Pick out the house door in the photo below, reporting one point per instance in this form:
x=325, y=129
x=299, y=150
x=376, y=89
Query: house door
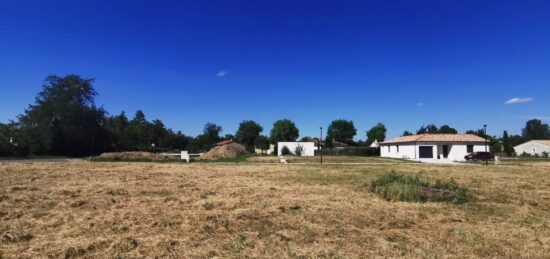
x=445, y=151
x=426, y=151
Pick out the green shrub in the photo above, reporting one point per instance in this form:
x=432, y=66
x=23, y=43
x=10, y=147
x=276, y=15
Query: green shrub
x=298, y=150
x=393, y=186
x=285, y=151
x=396, y=187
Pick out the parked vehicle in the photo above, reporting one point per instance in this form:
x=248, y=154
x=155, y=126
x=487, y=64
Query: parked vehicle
x=479, y=156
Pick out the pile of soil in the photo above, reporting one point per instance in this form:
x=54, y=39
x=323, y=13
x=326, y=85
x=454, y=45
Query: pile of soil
x=226, y=151
x=133, y=155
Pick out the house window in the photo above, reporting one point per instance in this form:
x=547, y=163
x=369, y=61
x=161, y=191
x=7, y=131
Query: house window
x=397, y=148
x=389, y=149
x=470, y=149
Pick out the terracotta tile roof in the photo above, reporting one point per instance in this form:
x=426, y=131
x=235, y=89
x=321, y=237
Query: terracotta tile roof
x=435, y=138
x=543, y=141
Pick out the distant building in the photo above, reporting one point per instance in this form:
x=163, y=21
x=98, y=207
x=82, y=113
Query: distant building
x=433, y=147
x=375, y=144
x=308, y=148
x=533, y=147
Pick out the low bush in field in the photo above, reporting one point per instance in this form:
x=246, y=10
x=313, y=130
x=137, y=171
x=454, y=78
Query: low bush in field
x=396, y=187
x=285, y=151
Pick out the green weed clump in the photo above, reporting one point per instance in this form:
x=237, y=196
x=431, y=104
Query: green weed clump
x=397, y=187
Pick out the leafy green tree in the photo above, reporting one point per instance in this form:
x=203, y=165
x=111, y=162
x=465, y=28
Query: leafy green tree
x=306, y=139
x=407, y=133
x=447, y=129
x=507, y=146
x=116, y=125
x=283, y=130
x=139, y=133
x=212, y=131
x=516, y=140
x=430, y=128
x=478, y=132
x=535, y=129
x=139, y=117
x=11, y=141
x=247, y=133
x=5, y=137
x=377, y=132
x=299, y=150
x=158, y=131
x=493, y=143
x=285, y=151
x=174, y=141
x=262, y=142
x=328, y=143
x=64, y=119
x=209, y=137
x=341, y=131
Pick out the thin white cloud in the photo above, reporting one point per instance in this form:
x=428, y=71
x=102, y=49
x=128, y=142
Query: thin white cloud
x=420, y=104
x=221, y=73
x=519, y=100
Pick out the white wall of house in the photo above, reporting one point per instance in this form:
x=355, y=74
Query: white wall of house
x=456, y=151
x=405, y=151
x=532, y=148
x=308, y=147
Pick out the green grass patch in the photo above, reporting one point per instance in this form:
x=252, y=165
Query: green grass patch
x=411, y=188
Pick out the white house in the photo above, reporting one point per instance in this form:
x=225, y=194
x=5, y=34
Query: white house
x=533, y=147
x=433, y=147
x=308, y=148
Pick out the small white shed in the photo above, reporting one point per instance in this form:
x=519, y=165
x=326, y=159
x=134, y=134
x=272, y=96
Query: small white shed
x=308, y=148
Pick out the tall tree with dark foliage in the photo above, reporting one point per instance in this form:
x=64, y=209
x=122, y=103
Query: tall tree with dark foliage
x=64, y=119
x=341, y=131
x=247, y=133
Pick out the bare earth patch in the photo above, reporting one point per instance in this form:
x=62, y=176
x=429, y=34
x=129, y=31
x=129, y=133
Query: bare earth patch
x=143, y=210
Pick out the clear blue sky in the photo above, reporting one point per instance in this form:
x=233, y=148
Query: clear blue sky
x=403, y=63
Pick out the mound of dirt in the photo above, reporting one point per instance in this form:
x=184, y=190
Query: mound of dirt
x=226, y=151
x=133, y=155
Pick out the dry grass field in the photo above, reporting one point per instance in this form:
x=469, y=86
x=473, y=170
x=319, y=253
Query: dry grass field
x=197, y=210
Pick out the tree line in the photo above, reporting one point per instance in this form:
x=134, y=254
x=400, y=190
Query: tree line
x=64, y=120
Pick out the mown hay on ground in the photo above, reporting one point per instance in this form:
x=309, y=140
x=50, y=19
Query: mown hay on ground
x=206, y=210
x=133, y=156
